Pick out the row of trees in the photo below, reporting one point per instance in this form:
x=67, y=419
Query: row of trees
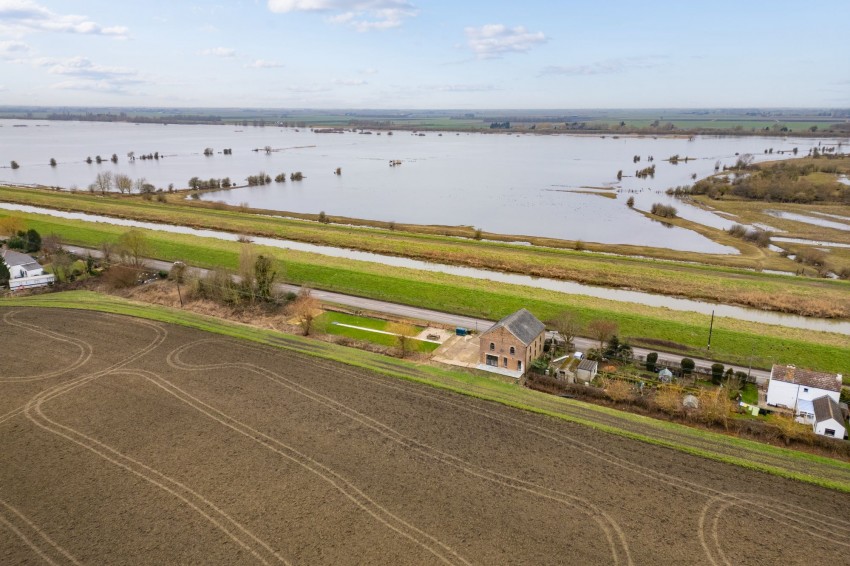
x=105, y=182
x=212, y=183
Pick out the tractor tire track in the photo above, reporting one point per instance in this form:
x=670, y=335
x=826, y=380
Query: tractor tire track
x=26, y=530
x=609, y=527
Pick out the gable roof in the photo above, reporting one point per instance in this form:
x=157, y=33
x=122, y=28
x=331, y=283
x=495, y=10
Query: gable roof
x=13, y=259
x=807, y=377
x=826, y=408
x=521, y=324
x=588, y=365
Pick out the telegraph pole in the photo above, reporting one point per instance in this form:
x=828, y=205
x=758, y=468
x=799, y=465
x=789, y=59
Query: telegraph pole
x=710, y=329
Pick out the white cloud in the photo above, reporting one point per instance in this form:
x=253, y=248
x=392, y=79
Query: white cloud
x=263, y=64
x=223, y=52
x=369, y=71
x=605, y=67
x=13, y=50
x=350, y=82
x=362, y=15
x=85, y=75
x=19, y=17
x=494, y=40
x=464, y=88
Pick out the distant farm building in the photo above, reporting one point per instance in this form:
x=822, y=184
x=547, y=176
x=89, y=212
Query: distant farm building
x=25, y=272
x=510, y=345
x=587, y=370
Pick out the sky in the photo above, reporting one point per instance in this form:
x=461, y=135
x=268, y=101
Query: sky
x=418, y=54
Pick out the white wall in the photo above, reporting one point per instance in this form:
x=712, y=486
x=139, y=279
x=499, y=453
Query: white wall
x=813, y=393
x=839, y=429
x=782, y=393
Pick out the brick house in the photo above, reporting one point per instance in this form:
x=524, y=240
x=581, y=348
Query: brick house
x=510, y=345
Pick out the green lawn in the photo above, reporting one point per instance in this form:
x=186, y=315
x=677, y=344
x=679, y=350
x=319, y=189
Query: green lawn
x=325, y=323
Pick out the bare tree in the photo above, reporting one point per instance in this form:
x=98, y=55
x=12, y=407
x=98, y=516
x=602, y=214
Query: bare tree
x=602, y=330
x=568, y=326
x=404, y=334
x=123, y=183
x=107, y=250
x=305, y=308
x=133, y=247
x=103, y=182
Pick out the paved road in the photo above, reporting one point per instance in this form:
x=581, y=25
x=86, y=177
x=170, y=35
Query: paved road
x=454, y=320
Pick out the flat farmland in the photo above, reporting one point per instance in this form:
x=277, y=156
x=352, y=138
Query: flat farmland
x=126, y=441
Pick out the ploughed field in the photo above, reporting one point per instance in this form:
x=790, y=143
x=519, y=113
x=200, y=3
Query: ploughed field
x=124, y=441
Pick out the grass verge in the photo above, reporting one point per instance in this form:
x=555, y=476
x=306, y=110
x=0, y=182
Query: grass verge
x=773, y=460
x=733, y=341
x=714, y=277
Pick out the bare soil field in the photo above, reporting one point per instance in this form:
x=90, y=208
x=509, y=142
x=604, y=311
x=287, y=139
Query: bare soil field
x=124, y=441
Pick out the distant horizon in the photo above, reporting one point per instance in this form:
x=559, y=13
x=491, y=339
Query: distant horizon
x=427, y=109
x=409, y=54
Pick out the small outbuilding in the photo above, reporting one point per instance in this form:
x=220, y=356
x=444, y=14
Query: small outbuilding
x=829, y=419
x=510, y=345
x=665, y=375
x=587, y=370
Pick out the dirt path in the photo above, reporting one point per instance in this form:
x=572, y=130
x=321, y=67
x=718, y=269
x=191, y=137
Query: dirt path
x=149, y=443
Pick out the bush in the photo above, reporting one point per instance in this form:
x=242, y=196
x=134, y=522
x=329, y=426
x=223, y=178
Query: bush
x=121, y=276
x=687, y=365
x=663, y=210
x=717, y=373
x=619, y=390
x=668, y=398
x=651, y=361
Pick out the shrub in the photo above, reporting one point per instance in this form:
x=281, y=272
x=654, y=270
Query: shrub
x=668, y=398
x=14, y=165
x=651, y=361
x=717, y=373
x=619, y=390
x=687, y=365
x=663, y=210
x=121, y=276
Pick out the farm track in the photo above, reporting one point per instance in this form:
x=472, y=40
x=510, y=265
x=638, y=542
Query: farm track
x=334, y=425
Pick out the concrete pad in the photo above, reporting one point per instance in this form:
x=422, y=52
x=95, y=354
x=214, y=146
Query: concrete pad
x=458, y=351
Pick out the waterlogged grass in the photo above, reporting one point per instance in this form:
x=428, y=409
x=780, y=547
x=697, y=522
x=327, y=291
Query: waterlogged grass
x=722, y=281
x=733, y=341
x=781, y=462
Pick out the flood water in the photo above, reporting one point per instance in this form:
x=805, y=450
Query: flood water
x=502, y=183
x=569, y=287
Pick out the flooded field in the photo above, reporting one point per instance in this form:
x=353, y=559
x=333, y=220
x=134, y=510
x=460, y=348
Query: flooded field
x=554, y=185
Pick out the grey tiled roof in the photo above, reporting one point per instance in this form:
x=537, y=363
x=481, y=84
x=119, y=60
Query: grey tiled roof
x=521, y=324
x=589, y=365
x=826, y=408
x=807, y=377
x=12, y=258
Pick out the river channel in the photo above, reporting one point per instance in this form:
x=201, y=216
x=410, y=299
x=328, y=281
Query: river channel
x=556, y=186
x=569, y=287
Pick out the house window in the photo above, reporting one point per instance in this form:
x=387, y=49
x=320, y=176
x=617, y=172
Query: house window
x=505, y=362
x=492, y=361
x=829, y=432
x=513, y=350
x=805, y=389
x=519, y=365
x=492, y=346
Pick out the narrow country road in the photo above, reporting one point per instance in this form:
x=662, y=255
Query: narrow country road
x=432, y=316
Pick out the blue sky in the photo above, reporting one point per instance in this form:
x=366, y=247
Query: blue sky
x=425, y=54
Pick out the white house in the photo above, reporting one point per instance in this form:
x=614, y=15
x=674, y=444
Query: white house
x=829, y=420
x=25, y=272
x=794, y=388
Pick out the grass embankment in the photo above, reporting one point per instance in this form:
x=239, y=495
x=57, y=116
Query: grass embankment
x=733, y=341
x=331, y=323
x=782, y=462
x=721, y=282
